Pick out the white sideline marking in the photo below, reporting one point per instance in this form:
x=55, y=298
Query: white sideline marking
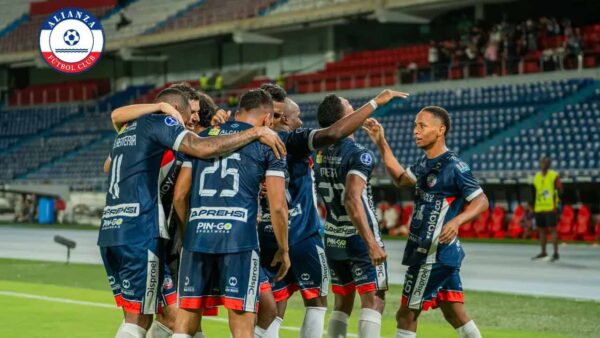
x=110, y=306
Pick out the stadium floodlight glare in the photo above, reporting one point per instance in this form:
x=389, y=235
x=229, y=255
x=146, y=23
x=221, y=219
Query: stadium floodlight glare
x=70, y=244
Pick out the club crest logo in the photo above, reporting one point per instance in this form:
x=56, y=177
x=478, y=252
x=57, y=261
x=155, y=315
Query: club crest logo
x=71, y=40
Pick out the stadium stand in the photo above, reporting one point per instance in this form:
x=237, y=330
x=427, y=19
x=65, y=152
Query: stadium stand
x=296, y=5
x=13, y=13
x=57, y=93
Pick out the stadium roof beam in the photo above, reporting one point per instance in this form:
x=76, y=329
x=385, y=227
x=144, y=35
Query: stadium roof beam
x=383, y=15
x=241, y=37
x=129, y=54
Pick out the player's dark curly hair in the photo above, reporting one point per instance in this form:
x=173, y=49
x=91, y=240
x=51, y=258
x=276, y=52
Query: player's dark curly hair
x=255, y=98
x=441, y=114
x=189, y=92
x=277, y=93
x=330, y=110
x=208, y=109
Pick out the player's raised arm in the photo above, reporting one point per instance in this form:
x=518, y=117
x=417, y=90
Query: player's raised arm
x=347, y=125
x=124, y=114
x=355, y=185
x=275, y=186
x=181, y=195
x=215, y=146
x=399, y=175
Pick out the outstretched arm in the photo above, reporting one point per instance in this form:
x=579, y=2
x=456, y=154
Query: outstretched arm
x=279, y=219
x=347, y=125
x=357, y=213
x=208, y=147
x=124, y=114
x=398, y=174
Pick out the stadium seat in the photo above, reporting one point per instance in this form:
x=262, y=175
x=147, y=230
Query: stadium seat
x=481, y=225
x=496, y=225
x=566, y=222
x=466, y=230
x=594, y=235
x=582, y=223
x=515, y=230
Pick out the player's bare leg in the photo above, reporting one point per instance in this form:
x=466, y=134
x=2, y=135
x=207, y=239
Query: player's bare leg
x=314, y=317
x=267, y=323
x=554, y=243
x=241, y=323
x=406, y=322
x=281, y=307
x=135, y=325
x=338, y=321
x=186, y=323
x=372, y=305
x=455, y=314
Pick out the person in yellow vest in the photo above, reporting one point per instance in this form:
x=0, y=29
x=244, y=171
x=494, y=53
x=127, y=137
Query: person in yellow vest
x=219, y=84
x=547, y=191
x=204, y=82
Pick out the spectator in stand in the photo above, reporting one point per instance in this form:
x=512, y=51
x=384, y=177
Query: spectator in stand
x=219, y=84
x=574, y=45
x=547, y=192
x=433, y=57
x=204, y=82
x=491, y=58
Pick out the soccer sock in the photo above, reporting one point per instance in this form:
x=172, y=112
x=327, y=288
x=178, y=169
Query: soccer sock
x=128, y=330
x=369, y=323
x=314, y=320
x=405, y=334
x=469, y=330
x=181, y=335
x=158, y=330
x=199, y=334
x=273, y=330
x=338, y=325
x=259, y=332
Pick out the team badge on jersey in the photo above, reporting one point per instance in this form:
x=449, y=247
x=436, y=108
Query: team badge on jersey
x=366, y=158
x=170, y=121
x=431, y=180
x=71, y=40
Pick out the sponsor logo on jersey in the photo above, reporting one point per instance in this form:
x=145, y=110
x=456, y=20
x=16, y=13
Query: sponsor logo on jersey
x=170, y=121
x=305, y=276
x=319, y=157
x=111, y=223
x=71, y=40
x=462, y=167
x=203, y=227
x=152, y=283
x=122, y=210
x=336, y=243
x=366, y=159
x=214, y=131
x=125, y=141
x=212, y=213
x=168, y=283
x=340, y=231
x=232, y=281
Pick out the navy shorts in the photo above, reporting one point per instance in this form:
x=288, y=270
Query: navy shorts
x=428, y=284
x=309, y=272
x=357, y=274
x=135, y=273
x=209, y=280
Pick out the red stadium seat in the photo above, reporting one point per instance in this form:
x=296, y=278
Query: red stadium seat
x=466, y=230
x=480, y=225
x=582, y=223
x=514, y=227
x=565, y=224
x=406, y=215
x=591, y=237
x=496, y=225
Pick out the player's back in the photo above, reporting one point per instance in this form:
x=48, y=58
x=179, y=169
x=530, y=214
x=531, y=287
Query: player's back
x=133, y=209
x=333, y=165
x=224, y=195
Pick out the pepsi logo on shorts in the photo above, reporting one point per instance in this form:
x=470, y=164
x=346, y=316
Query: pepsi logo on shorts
x=71, y=40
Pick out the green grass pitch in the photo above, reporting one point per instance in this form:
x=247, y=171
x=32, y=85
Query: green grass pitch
x=40, y=299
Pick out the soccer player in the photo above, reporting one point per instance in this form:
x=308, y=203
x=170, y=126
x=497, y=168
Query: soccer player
x=444, y=185
x=548, y=188
x=133, y=222
x=204, y=114
x=309, y=271
x=220, y=259
x=353, y=244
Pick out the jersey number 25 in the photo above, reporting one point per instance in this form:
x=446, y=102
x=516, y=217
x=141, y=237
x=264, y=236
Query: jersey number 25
x=222, y=164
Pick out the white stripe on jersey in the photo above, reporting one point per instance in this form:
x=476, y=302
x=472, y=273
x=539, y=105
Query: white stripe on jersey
x=372, y=217
x=359, y=174
x=324, y=287
x=415, y=298
x=432, y=253
x=253, y=286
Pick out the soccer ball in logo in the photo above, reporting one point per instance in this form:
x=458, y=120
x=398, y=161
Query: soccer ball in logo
x=71, y=37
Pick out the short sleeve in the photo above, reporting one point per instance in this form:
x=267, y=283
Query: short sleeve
x=186, y=161
x=300, y=141
x=165, y=130
x=410, y=171
x=361, y=164
x=467, y=185
x=275, y=167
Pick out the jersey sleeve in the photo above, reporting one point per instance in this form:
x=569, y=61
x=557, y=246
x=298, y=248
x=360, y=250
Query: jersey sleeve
x=274, y=166
x=411, y=171
x=186, y=161
x=467, y=185
x=165, y=130
x=361, y=164
x=300, y=141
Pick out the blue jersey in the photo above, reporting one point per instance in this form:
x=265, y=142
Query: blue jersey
x=133, y=211
x=333, y=164
x=169, y=170
x=443, y=185
x=303, y=214
x=224, y=195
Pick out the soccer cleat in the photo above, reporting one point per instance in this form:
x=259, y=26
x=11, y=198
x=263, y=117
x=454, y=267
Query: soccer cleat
x=554, y=258
x=541, y=255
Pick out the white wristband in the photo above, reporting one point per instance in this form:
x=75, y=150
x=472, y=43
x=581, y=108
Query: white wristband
x=373, y=104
